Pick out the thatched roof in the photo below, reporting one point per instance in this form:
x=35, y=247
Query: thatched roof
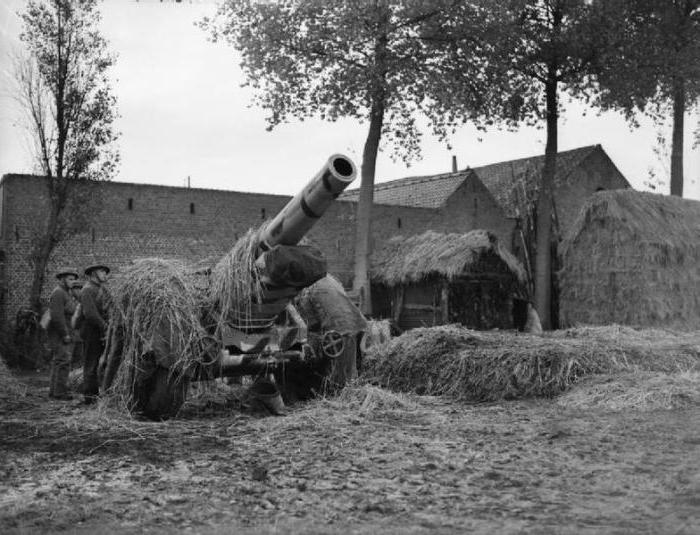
x=662, y=221
x=632, y=258
x=406, y=260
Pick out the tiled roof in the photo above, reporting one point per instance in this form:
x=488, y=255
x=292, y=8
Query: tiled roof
x=417, y=191
x=518, y=179
x=502, y=180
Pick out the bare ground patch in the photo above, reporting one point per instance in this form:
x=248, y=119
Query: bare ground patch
x=366, y=462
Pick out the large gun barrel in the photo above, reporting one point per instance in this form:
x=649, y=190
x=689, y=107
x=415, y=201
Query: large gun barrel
x=302, y=212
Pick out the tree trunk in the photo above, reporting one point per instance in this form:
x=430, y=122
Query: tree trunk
x=677, y=139
x=40, y=259
x=361, y=283
x=543, y=259
x=46, y=243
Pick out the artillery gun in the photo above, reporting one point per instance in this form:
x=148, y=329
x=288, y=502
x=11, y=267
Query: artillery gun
x=268, y=336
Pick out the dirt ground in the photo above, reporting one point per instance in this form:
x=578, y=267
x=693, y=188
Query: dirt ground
x=389, y=464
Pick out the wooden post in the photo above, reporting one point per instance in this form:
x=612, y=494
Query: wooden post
x=445, y=301
x=398, y=304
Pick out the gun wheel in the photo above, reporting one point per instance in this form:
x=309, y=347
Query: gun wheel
x=162, y=395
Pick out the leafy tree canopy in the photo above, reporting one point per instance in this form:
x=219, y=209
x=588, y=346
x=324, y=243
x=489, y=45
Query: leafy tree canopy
x=335, y=58
x=652, y=45
x=65, y=88
x=522, y=45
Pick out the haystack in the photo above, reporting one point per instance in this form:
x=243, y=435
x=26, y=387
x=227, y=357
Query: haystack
x=157, y=308
x=632, y=258
x=489, y=366
x=436, y=278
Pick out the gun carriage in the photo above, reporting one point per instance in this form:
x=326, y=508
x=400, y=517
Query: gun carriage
x=267, y=335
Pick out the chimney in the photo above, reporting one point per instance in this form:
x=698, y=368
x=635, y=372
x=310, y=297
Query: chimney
x=454, y=164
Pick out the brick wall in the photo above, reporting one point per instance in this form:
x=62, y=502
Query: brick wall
x=132, y=221
x=137, y=220
x=473, y=207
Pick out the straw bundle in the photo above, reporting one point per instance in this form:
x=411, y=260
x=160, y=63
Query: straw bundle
x=632, y=258
x=489, y=366
x=235, y=281
x=158, y=308
x=378, y=332
x=639, y=390
x=367, y=399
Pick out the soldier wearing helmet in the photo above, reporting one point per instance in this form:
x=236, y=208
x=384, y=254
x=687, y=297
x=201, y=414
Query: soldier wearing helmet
x=61, y=308
x=94, y=301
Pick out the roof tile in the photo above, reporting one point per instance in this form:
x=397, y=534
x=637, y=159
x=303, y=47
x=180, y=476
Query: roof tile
x=502, y=180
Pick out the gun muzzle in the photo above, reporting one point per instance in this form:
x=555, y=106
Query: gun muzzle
x=302, y=212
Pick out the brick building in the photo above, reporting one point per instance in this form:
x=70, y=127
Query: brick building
x=138, y=220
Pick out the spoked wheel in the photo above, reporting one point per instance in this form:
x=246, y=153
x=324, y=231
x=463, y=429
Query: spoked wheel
x=328, y=312
x=332, y=344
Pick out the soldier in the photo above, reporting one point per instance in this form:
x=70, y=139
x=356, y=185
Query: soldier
x=75, y=322
x=61, y=308
x=94, y=301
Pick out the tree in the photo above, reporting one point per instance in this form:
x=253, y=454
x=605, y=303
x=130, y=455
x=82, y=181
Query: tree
x=362, y=59
x=64, y=89
x=652, y=65
x=532, y=50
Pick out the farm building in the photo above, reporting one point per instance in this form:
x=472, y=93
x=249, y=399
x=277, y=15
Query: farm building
x=499, y=192
x=435, y=278
x=633, y=258
x=140, y=220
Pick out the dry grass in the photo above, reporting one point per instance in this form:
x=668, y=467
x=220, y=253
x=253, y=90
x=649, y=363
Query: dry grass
x=158, y=308
x=632, y=257
x=407, y=260
x=235, y=281
x=378, y=332
x=489, y=366
x=10, y=388
x=644, y=391
x=366, y=399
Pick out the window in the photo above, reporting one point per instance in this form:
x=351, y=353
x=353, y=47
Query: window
x=262, y=213
x=192, y=208
x=130, y=204
x=398, y=222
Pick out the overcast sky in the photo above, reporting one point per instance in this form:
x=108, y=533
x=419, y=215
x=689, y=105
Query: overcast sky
x=183, y=113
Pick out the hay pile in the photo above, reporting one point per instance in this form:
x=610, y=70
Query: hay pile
x=489, y=366
x=368, y=399
x=644, y=391
x=157, y=308
x=632, y=258
x=378, y=332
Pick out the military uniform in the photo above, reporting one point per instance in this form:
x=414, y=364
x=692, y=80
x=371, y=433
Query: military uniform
x=77, y=358
x=61, y=307
x=94, y=300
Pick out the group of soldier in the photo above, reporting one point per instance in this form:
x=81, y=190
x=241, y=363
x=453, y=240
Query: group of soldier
x=78, y=310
